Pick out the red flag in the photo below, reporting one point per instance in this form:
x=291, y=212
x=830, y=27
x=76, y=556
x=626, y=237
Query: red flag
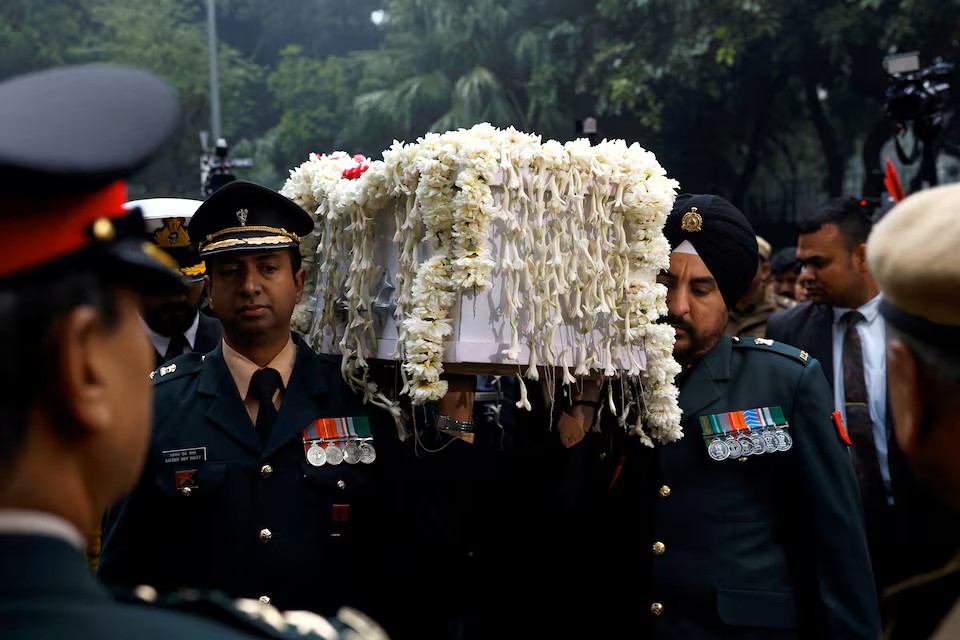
x=892, y=182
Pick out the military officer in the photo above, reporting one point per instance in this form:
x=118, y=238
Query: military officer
x=174, y=323
x=912, y=254
x=266, y=477
x=75, y=401
x=750, y=525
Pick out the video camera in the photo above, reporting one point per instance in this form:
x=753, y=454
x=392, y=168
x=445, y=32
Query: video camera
x=916, y=96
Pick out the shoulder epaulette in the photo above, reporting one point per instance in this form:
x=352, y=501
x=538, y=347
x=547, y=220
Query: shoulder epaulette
x=258, y=617
x=773, y=346
x=180, y=366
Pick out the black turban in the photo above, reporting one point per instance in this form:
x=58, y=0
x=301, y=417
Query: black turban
x=722, y=237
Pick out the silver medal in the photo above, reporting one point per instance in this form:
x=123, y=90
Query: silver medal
x=746, y=443
x=367, y=453
x=316, y=455
x=334, y=454
x=351, y=453
x=769, y=442
x=784, y=441
x=736, y=449
x=718, y=450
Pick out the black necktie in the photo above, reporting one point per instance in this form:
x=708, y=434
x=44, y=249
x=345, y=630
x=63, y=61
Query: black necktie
x=860, y=427
x=264, y=383
x=178, y=342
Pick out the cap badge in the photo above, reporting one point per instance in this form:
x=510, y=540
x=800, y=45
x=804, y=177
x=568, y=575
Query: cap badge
x=103, y=230
x=691, y=221
x=242, y=217
x=172, y=233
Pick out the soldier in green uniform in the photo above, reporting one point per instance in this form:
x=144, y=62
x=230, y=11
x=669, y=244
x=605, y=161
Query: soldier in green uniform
x=74, y=398
x=912, y=254
x=750, y=525
x=267, y=477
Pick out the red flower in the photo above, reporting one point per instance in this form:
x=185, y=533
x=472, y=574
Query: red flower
x=357, y=170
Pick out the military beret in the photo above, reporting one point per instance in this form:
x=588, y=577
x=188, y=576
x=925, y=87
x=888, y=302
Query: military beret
x=722, y=237
x=912, y=254
x=68, y=137
x=167, y=223
x=784, y=260
x=244, y=215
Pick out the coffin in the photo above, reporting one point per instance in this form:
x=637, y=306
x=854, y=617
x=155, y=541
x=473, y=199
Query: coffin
x=488, y=251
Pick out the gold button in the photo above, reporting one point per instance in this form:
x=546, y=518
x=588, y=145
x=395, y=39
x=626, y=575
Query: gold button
x=265, y=535
x=603, y=456
x=656, y=609
x=266, y=471
x=264, y=599
x=103, y=230
x=185, y=492
x=664, y=491
x=743, y=458
x=341, y=484
x=659, y=548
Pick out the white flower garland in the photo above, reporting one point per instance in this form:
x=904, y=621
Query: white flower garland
x=572, y=233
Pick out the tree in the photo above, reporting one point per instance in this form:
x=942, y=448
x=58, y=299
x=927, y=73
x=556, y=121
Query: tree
x=169, y=38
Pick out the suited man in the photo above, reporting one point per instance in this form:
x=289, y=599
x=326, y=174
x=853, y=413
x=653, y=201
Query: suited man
x=841, y=326
x=75, y=401
x=716, y=536
x=923, y=356
x=174, y=322
x=267, y=477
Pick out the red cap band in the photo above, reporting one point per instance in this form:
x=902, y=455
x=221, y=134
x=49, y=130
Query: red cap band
x=34, y=233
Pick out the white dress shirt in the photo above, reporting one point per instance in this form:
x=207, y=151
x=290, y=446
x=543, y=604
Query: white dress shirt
x=873, y=342
x=160, y=343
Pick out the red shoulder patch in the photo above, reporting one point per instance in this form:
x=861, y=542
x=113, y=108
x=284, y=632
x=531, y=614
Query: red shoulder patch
x=841, y=430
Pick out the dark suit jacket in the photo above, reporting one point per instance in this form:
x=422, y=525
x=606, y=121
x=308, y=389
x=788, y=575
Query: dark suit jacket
x=48, y=591
x=930, y=529
x=770, y=546
x=338, y=533
x=208, y=337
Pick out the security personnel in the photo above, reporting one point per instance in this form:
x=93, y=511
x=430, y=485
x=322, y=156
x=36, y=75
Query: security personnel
x=267, y=477
x=73, y=396
x=750, y=525
x=912, y=254
x=174, y=323
x=749, y=316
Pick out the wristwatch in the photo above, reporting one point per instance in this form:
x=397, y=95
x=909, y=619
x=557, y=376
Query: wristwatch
x=446, y=423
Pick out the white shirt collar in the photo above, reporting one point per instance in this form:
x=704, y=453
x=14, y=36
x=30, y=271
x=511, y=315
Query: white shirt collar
x=870, y=310
x=160, y=343
x=24, y=521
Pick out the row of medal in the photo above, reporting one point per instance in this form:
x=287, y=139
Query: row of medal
x=321, y=452
x=754, y=444
x=336, y=440
x=751, y=432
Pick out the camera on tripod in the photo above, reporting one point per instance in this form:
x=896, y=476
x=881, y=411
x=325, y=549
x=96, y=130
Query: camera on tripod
x=918, y=97
x=215, y=169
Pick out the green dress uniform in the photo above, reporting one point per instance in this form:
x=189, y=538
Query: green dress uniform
x=754, y=546
x=216, y=509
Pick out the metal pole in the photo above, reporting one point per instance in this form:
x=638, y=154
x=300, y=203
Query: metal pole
x=214, y=80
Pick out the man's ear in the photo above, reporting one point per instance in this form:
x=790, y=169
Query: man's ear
x=860, y=257
x=298, y=279
x=903, y=390
x=82, y=356
x=208, y=285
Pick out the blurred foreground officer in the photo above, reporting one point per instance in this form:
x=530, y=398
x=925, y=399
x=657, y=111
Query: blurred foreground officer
x=912, y=253
x=750, y=525
x=267, y=477
x=174, y=323
x=74, y=398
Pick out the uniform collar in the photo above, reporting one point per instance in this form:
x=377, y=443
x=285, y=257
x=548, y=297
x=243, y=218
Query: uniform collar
x=28, y=522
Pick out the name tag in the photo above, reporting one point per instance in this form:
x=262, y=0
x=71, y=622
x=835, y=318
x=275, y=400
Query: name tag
x=176, y=456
